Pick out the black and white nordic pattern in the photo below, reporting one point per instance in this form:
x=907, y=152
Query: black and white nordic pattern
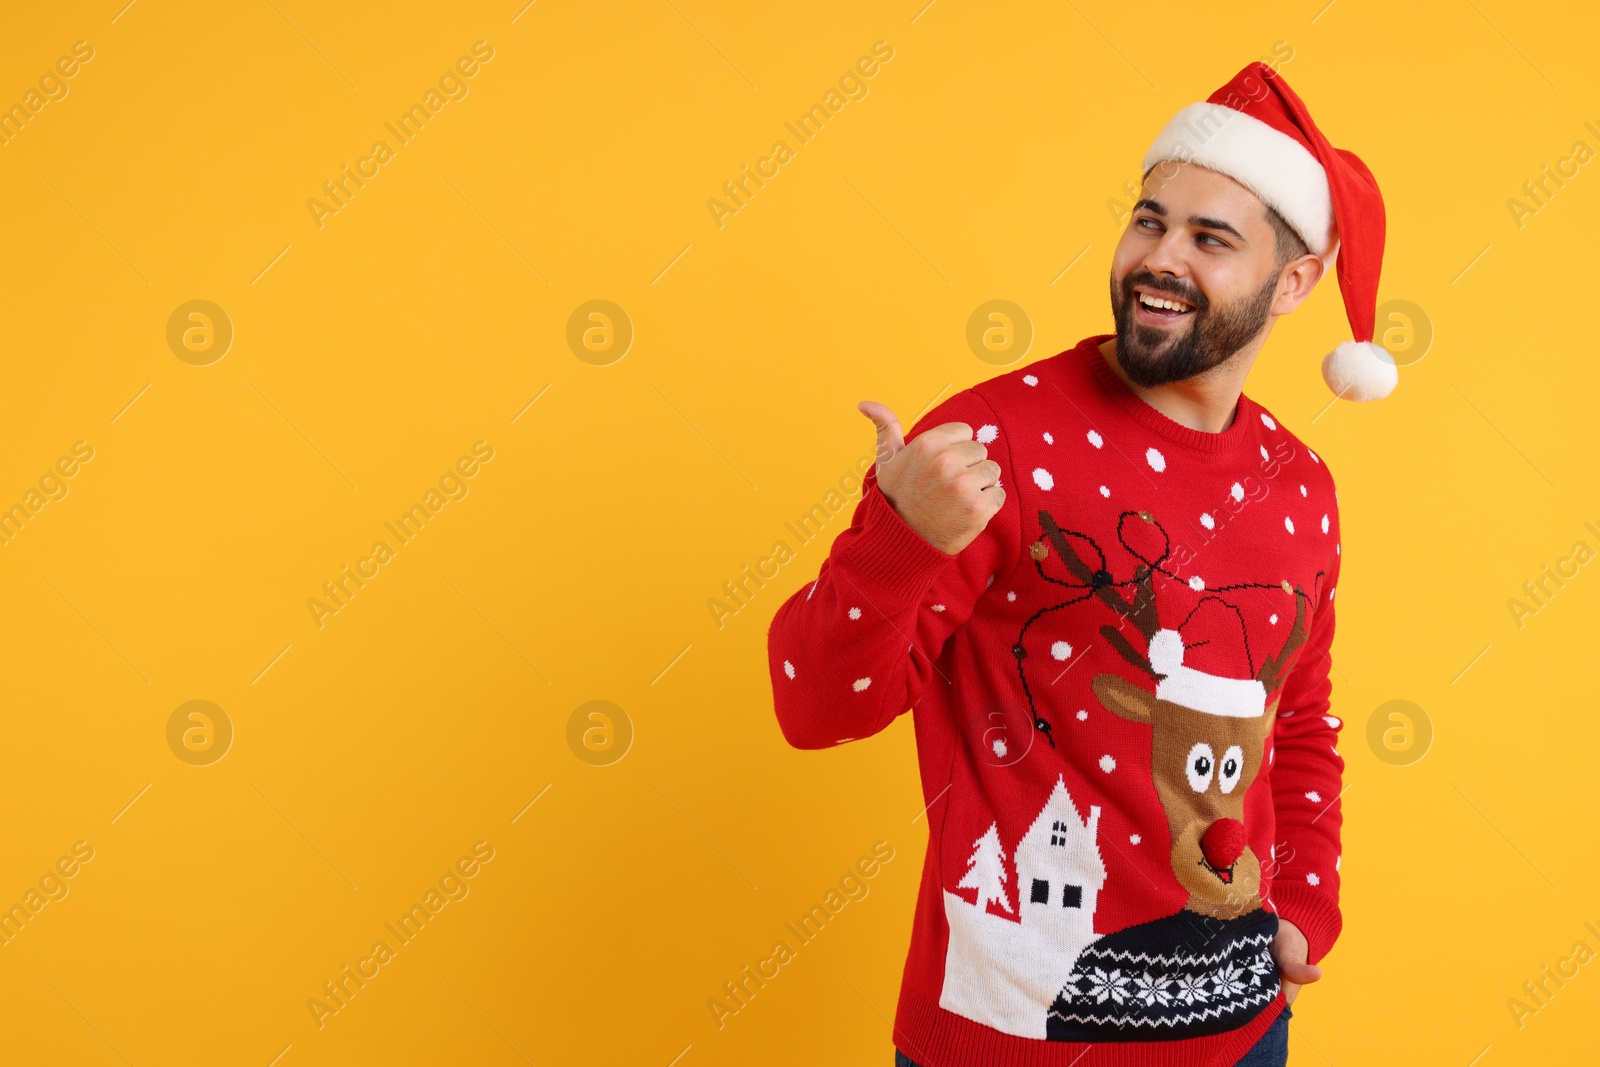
x=1182, y=976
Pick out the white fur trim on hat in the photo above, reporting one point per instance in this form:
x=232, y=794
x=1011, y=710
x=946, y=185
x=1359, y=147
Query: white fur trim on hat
x=1360, y=370
x=1273, y=165
x=1242, y=698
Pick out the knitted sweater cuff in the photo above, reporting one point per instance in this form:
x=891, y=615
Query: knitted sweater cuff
x=888, y=552
x=1312, y=912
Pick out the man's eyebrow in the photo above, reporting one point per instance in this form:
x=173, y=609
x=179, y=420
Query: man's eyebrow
x=1216, y=224
x=1194, y=220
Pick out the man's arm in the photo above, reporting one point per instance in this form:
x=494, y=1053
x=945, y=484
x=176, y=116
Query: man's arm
x=853, y=650
x=1307, y=775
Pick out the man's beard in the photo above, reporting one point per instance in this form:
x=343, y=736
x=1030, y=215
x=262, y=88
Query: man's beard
x=1151, y=356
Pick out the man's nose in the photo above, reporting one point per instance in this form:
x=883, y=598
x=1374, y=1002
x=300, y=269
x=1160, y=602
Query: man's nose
x=1164, y=258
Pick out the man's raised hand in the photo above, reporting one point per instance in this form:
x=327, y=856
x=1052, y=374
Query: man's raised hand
x=943, y=484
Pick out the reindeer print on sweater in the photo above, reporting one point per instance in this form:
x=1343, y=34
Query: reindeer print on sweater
x=1206, y=968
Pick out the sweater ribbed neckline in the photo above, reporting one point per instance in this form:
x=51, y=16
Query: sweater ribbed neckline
x=1151, y=419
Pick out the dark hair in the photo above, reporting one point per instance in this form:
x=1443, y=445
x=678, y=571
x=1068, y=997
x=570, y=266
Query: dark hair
x=1286, y=243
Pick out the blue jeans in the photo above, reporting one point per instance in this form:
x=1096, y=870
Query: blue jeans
x=1272, y=1050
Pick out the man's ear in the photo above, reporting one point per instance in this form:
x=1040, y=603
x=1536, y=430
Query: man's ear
x=1295, y=282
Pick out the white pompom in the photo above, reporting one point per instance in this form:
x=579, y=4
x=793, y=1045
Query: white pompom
x=1360, y=370
x=1166, y=652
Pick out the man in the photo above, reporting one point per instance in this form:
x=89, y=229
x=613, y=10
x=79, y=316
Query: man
x=1105, y=582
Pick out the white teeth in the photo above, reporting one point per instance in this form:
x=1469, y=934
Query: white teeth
x=1150, y=301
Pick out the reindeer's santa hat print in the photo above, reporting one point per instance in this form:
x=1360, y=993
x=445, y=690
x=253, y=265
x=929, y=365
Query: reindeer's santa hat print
x=1198, y=690
x=1258, y=132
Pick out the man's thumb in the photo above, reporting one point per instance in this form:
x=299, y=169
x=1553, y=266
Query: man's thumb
x=890, y=439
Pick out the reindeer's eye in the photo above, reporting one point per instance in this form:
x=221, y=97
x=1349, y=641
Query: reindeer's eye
x=1201, y=764
x=1232, y=767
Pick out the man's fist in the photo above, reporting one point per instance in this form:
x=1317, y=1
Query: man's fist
x=943, y=484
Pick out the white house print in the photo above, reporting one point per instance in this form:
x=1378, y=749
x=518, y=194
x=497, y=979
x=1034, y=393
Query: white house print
x=1006, y=973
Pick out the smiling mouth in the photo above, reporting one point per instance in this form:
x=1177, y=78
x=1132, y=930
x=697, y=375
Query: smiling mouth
x=1224, y=874
x=1162, y=309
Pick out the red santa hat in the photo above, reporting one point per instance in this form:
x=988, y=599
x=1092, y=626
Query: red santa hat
x=1257, y=131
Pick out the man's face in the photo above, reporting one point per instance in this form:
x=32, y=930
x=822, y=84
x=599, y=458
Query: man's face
x=1199, y=238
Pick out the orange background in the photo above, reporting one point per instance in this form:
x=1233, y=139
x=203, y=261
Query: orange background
x=435, y=709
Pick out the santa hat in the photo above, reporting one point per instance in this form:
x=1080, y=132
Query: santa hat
x=1257, y=131
x=1189, y=687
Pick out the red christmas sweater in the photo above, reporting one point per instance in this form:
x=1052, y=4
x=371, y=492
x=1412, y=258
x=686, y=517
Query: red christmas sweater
x=1120, y=697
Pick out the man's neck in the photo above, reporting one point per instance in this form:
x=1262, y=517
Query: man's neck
x=1207, y=402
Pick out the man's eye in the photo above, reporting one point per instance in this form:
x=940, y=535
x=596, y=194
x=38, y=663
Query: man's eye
x=1208, y=237
x=1142, y=221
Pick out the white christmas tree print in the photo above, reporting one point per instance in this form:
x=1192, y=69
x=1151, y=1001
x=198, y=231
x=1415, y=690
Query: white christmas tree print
x=986, y=870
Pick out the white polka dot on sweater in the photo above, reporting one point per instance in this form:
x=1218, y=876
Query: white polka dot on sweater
x=1134, y=839
x=999, y=747
x=1237, y=492
x=1048, y=439
x=1108, y=763
x=987, y=433
x=788, y=668
x=1324, y=524
x=1197, y=582
x=1156, y=460
x=1207, y=521
x=1030, y=379
x=1266, y=457
x=937, y=607
x=1274, y=619
x=1060, y=650
x=1104, y=491
x=1011, y=595
x=1043, y=479
x=1266, y=420
x=1288, y=524
x=1082, y=714
x=1302, y=490
x=861, y=684
x=855, y=613
x=1314, y=796
x=1336, y=860
x=1331, y=720
x=1311, y=877
x=1095, y=438
x=1314, y=459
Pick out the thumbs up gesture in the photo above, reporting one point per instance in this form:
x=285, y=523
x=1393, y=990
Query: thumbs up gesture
x=943, y=484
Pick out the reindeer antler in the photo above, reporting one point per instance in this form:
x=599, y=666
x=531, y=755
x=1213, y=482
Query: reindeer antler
x=1142, y=611
x=1268, y=674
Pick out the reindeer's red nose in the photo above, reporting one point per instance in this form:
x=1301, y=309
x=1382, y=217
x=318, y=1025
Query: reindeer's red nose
x=1222, y=842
